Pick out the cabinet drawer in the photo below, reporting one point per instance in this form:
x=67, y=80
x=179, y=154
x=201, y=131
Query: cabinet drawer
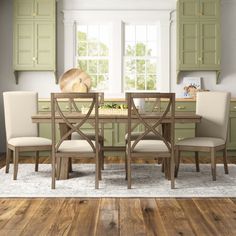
x=44, y=106
x=185, y=106
x=233, y=106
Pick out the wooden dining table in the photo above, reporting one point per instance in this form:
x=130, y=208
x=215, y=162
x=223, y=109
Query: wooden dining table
x=75, y=117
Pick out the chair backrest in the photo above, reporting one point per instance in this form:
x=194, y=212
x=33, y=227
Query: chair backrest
x=151, y=119
x=90, y=112
x=19, y=106
x=214, y=109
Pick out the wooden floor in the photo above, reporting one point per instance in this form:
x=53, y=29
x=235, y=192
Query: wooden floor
x=116, y=216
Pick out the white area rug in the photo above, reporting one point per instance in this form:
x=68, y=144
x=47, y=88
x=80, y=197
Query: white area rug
x=147, y=181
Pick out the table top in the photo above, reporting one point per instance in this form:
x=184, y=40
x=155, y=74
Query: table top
x=180, y=117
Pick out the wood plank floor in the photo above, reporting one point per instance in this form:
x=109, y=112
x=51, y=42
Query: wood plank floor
x=116, y=216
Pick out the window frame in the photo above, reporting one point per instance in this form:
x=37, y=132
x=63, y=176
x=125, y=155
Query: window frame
x=118, y=18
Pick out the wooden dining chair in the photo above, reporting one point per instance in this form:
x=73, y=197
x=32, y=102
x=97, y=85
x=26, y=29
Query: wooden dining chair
x=91, y=134
x=211, y=132
x=162, y=145
x=21, y=133
x=79, y=149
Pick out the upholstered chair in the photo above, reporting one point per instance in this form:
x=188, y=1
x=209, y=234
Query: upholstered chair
x=211, y=132
x=21, y=133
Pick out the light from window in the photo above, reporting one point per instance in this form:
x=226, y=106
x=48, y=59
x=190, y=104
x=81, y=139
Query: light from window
x=141, y=57
x=92, y=54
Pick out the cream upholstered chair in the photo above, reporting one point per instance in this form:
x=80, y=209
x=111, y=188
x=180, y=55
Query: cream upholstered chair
x=211, y=133
x=162, y=145
x=21, y=133
x=82, y=148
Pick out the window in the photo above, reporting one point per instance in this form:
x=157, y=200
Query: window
x=121, y=50
x=141, y=57
x=93, y=51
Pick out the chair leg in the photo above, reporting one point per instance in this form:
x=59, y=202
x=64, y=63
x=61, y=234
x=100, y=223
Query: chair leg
x=102, y=156
x=53, y=171
x=129, y=170
x=8, y=157
x=225, y=161
x=172, y=171
x=37, y=161
x=163, y=165
x=177, y=162
x=58, y=169
x=213, y=164
x=100, y=165
x=197, y=162
x=97, y=169
x=126, y=167
x=15, y=161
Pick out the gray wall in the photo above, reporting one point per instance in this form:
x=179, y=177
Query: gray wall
x=44, y=82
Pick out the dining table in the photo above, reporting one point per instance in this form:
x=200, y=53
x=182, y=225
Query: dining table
x=75, y=117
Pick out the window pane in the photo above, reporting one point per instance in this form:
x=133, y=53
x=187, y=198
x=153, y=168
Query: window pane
x=92, y=66
x=82, y=51
x=140, y=49
x=130, y=33
x=141, y=33
x=140, y=66
x=151, y=32
x=141, y=57
x=82, y=65
x=92, y=49
x=93, y=42
x=151, y=67
x=103, y=67
x=140, y=83
x=151, y=82
x=130, y=49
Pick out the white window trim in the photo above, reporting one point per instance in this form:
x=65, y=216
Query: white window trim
x=117, y=18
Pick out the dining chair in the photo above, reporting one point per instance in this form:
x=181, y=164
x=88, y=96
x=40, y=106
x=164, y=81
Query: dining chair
x=162, y=145
x=91, y=134
x=78, y=149
x=21, y=133
x=211, y=132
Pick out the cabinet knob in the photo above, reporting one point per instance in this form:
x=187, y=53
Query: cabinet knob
x=34, y=58
x=45, y=107
x=34, y=14
x=180, y=107
x=180, y=138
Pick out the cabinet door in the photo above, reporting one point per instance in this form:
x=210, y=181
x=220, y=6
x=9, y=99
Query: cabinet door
x=23, y=45
x=209, y=9
x=231, y=145
x=44, y=45
x=188, y=45
x=209, y=45
x=23, y=9
x=45, y=9
x=188, y=8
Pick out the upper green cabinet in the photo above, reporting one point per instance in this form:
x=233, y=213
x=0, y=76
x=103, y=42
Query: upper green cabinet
x=34, y=9
x=198, y=35
x=34, y=35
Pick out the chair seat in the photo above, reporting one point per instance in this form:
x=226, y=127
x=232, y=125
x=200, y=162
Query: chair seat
x=150, y=146
x=76, y=146
x=90, y=135
x=135, y=135
x=29, y=141
x=201, y=142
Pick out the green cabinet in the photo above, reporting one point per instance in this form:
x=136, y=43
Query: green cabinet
x=34, y=35
x=232, y=127
x=198, y=35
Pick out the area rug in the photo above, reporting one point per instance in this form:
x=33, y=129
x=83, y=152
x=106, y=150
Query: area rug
x=147, y=181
